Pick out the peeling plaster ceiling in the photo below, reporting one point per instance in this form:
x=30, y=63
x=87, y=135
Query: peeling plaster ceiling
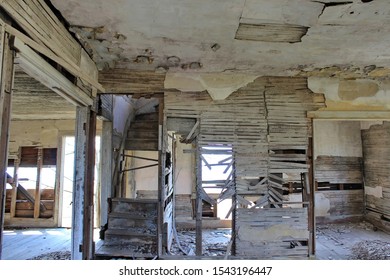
x=199, y=36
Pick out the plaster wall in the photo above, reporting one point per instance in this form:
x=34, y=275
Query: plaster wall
x=337, y=138
x=43, y=133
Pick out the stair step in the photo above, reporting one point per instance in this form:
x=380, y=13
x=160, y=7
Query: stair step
x=119, y=215
x=131, y=233
x=149, y=125
x=106, y=251
x=135, y=207
x=124, y=224
x=121, y=237
x=142, y=133
x=149, y=116
x=134, y=200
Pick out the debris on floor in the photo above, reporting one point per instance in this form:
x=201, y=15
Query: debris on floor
x=371, y=250
x=65, y=255
x=215, y=242
x=357, y=241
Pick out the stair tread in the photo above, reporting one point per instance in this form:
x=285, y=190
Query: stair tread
x=134, y=200
x=130, y=216
x=120, y=251
x=128, y=233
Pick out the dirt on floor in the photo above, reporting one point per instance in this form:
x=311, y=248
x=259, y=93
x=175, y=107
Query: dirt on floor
x=65, y=255
x=352, y=241
x=215, y=243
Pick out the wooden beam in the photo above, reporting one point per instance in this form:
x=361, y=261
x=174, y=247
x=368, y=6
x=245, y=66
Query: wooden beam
x=88, y=227
x=198, y=203
x=122, y=81
x=161, y=177
x=85, y=74
x=15, y=184
x=349, y=115
x=82, y=210
x=6, y=84
x=37, y=198
x=36, y=67
x=106, y=170
x=311, y=195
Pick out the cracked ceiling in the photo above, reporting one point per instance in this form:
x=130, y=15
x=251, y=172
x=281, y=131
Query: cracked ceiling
x=286, y=37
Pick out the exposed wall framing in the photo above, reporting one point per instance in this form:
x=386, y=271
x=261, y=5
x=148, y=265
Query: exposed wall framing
x=266, y=125
x=376, y=151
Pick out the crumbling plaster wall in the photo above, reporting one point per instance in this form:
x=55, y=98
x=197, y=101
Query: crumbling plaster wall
x=123, y=111
x=43, y=133
x=337, y=138
x=353, y=94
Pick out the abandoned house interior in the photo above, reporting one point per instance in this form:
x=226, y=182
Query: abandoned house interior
x=181, y=129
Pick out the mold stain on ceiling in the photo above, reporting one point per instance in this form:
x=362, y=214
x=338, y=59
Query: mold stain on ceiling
x=258, y=37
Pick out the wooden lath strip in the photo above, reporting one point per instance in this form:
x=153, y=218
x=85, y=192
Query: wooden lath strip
x=72, y=68
x=30, y=19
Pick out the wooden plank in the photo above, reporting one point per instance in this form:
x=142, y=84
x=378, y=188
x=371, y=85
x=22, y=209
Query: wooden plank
x=78, y=187
x=51, y=33
x=198, y=204
x=15, y=184
x=38, y=68
x=6, y=83
x=88, y=248
x=85, y=74
x=37, y=195
x=106, y=170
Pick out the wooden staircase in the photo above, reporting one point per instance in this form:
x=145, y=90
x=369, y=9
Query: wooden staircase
x=143, y=133
x=132, y=229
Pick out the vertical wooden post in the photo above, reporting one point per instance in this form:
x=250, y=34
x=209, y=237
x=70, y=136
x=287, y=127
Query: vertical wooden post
x=161, y=178
x=6, y=84
x=198, y=202
x=311, y=195
x=15, y=184
x=83, y=189
x=234, y=205
x=88, y=244
x=37, y=196
x=106, y=171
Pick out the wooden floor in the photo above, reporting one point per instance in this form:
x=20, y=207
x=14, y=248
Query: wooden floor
x=333, y=241
x=23, y=244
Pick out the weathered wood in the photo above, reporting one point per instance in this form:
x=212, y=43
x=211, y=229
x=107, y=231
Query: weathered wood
x=35, y=66
x=376, y=160
x=106, y=170
x=88, y=248
x=269, y=232
x=6, y=84
x=15, y=184
x=50, y=37
x=336, y=170
x=122, y=81
x=82, y=210
x=162, y=135
x=87, y=73
x=37, y=196
x=198, y=204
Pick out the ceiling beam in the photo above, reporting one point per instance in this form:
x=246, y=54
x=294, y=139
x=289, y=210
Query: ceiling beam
x=47, y=35
x=38, y=68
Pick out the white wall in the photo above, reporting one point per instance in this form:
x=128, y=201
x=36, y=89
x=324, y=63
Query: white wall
x=147, y=178
x=42, y=133
x=184, y=169
x=337, y=138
